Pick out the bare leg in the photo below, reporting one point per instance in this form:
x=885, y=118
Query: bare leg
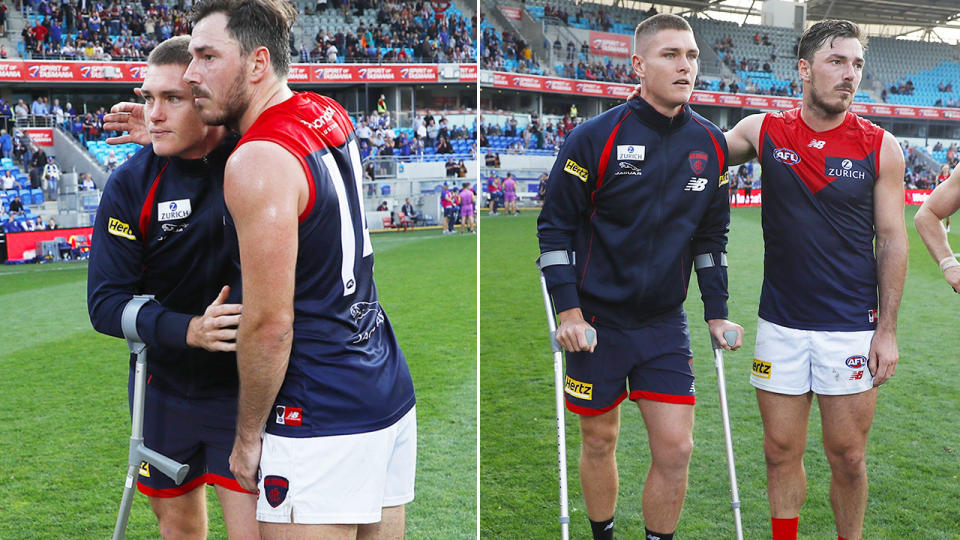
x=291, y=531
x=785, y=421
x=846, y=424
x=391, y=526
x=598, y=463
x=239, y=514
x=670, y=434
x=183, y=517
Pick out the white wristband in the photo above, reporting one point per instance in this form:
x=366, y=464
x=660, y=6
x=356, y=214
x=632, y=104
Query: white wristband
x=948, y=262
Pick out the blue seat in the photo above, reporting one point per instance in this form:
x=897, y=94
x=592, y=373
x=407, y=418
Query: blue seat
x=37, y=194
x=385, y=189
x=26, y=197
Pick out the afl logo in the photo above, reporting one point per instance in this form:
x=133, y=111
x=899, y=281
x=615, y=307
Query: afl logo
x=786, y=156
x=856, y=362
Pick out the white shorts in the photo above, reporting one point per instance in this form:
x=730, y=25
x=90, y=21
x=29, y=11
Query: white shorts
x=794, y=362
x=340, y=479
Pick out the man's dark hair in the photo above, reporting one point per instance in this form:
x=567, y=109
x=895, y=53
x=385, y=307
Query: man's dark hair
x=824, y=31
x=173, y=51
x=256, y=23
x=663, y=21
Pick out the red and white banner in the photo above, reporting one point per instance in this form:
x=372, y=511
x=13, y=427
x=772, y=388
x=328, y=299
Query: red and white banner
x=40, y=136
x=45, y=71
x=916, y=197
x=518, y=81
x=468, y=73
x=607, y=44
x=20, y=243
x=511, y=13
x=740, y=199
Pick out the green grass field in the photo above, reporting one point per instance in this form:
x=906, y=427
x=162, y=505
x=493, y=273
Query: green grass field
x=64, y=424
x=913, y=457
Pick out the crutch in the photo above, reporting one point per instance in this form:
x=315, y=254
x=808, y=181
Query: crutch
x=551, y=258
x=731, y=337
x=139, y=452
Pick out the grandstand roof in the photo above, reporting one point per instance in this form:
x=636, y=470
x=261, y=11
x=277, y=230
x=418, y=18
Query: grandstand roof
x=894, y=13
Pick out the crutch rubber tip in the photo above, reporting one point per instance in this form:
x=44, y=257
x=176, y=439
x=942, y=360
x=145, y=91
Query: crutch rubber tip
x=731, y=337
x=591, y=336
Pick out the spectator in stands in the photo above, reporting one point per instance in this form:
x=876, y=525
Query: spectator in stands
x=8, y=181
x=16, y=205
x=6, y=144
x=383, y=207
x=6, y=115
x=21, y=112
x=39, y=159
x=51, y=178
x=11, y=226
x=36, y=177
x=51, y=224
x=112, y=161
x=40, y=225
x=363, y=132
x=408, y=209
x=542, y=188
x=444, y=146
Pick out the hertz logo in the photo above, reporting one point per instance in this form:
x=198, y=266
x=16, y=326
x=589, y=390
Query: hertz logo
x=119, y=228
x=724, y=178
x=578, y=389
x=575, y=169
x=761, y=369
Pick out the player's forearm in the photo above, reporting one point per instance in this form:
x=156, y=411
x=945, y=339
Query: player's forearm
x=263, y=352
x=932, y=233
x=891, y=275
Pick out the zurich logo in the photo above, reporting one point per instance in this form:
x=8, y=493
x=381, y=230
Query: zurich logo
x=786, y=156
x=173, y=206
x=846, y=164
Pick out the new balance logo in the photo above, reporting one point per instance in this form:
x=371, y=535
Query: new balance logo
x=696, y=184
x=814, y=143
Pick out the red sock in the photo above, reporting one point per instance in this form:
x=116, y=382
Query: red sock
x=785, y=529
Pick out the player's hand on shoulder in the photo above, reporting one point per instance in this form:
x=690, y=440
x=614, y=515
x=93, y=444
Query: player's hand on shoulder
x=719, y=327
x=572, y=334
x=216, y=329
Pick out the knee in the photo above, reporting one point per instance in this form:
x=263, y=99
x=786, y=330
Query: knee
x=778, y=452
x=849, y=462
x=599, y=444
x=179, y=526
x=673, y=454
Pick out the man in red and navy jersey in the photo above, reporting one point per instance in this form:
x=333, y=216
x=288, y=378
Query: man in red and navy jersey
x=320, y=368
x=160, y=230
x=832, y=185
x=639, y=195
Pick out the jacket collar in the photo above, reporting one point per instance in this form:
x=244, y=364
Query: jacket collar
x=656, y=121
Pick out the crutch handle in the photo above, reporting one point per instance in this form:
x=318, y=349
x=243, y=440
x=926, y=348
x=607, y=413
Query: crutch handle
x=128, y=322
x=731, y=337
x=169, y=467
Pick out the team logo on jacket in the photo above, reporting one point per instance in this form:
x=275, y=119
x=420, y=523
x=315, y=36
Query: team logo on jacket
x=275, y=488
x=843, y=168
x=786, y=156
x=630, y=152
x=368, y=317
x=289, y=416
x=170, y=210
x=698, y=161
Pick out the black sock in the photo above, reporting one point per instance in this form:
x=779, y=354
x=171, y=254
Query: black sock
x=602, y=530
x=657, y=536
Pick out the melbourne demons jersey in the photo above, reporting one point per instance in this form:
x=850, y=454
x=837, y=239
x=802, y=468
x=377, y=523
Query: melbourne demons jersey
x=347, y=373
x=820, y=272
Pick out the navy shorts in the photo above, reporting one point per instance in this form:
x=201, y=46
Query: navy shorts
x=198, y=432
x=654, y=360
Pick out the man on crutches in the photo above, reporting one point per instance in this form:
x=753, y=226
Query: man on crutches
x=639, y=195
x=160, y=230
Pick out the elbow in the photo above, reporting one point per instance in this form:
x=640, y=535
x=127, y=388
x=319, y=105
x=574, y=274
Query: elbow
x=268, y=330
